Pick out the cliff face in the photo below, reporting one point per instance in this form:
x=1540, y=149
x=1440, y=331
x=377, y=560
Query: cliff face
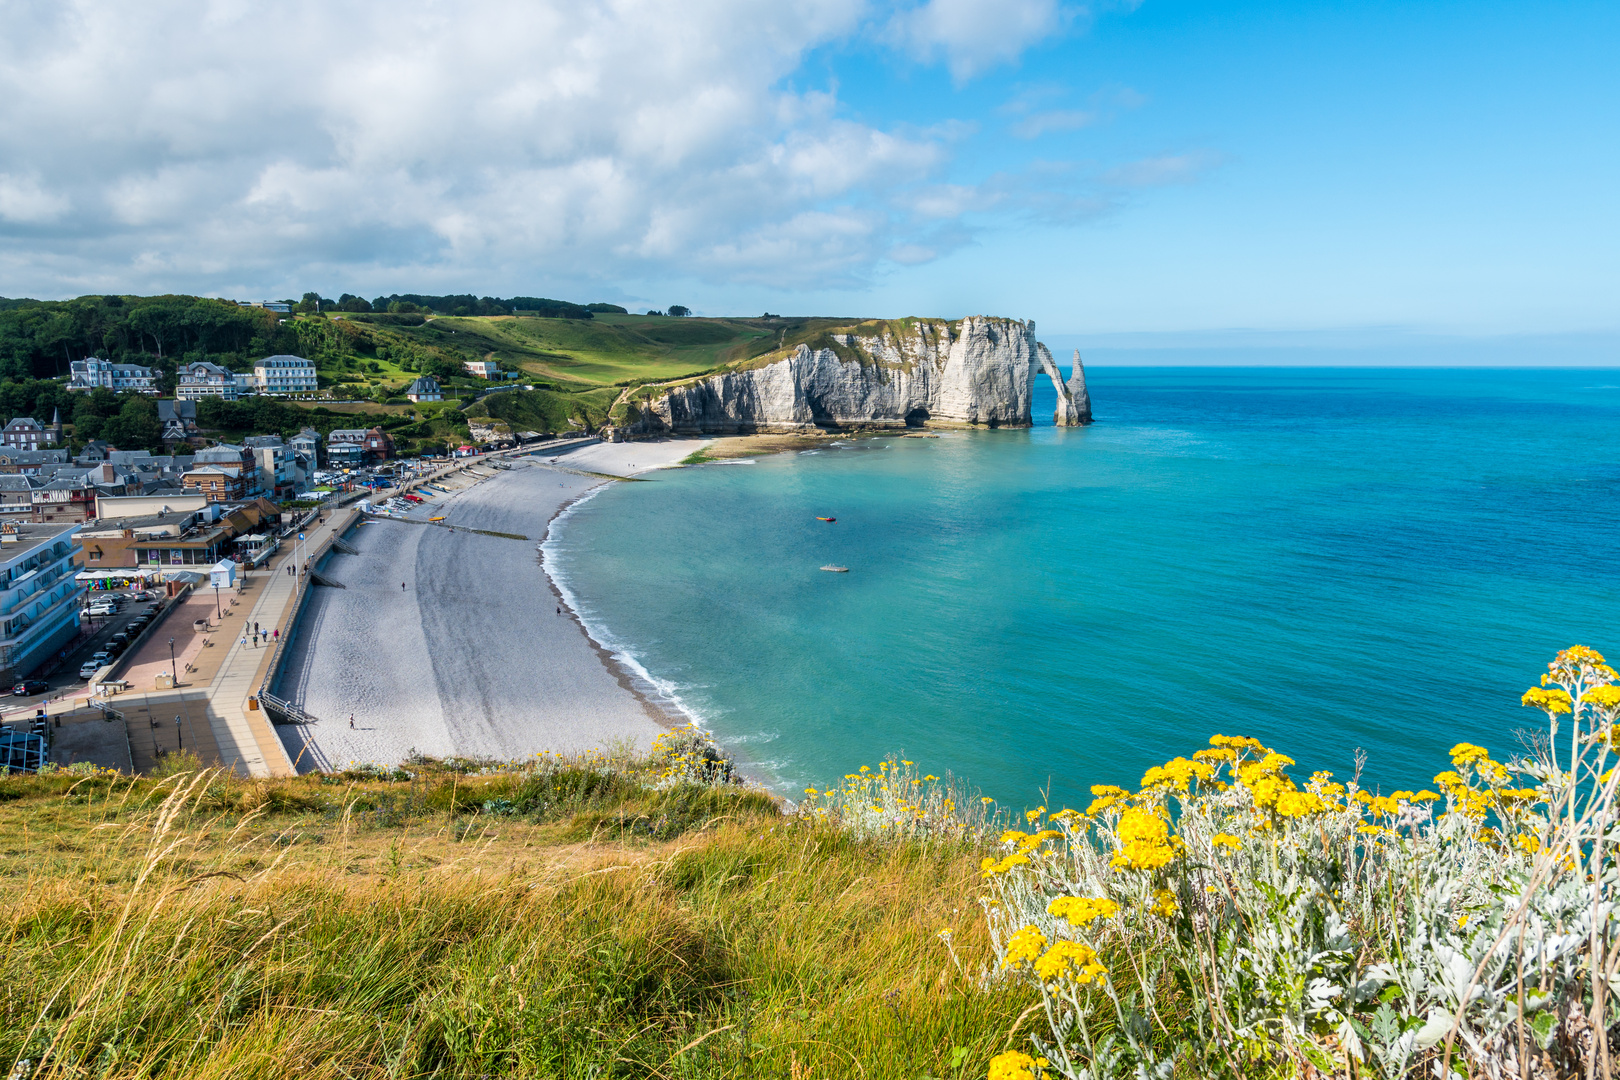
x=976, y=371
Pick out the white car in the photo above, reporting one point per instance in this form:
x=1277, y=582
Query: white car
x=88, y=669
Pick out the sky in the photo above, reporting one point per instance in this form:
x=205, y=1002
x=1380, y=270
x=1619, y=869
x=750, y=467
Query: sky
x=1163, y=174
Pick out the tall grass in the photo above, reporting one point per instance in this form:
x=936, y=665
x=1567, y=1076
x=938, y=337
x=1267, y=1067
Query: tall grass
x=562, y=921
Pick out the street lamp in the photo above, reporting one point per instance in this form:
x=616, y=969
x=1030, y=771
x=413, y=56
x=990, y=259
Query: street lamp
x=179, y=735
x=173, y=667
x=217, y=612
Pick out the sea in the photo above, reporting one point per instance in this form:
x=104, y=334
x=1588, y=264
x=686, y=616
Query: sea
x=1359, y=567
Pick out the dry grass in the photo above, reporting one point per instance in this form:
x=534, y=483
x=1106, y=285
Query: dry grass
x=499, y=925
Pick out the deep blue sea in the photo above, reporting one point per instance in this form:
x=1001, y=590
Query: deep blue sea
x=1330, y=560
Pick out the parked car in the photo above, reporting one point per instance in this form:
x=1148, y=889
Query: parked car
x=115, y=649
x=30, y=687
x=88, y=669
x=101, y=657
x=121, y=638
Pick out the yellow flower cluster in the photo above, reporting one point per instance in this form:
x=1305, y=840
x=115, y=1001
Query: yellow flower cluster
x=1024, y=947
x=1080, y=910
x=1070, y=960
x=1145, y=842
x=1178, y=773
x=1164, y=903
x=1017, y=1065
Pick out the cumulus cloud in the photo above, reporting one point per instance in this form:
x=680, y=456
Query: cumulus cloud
x=974, y=35
x=422, y=138
x=224, y=146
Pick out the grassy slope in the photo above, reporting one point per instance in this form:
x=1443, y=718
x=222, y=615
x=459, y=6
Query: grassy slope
x=578, y=360
x=343, y=926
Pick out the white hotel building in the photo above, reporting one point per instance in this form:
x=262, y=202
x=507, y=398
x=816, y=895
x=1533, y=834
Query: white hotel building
x=284, y=374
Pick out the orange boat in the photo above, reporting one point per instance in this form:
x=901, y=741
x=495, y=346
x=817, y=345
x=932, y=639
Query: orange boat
x=826, y=519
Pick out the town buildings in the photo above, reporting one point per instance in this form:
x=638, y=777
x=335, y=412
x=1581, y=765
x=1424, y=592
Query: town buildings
x=223, y=473
x=65, y=499
x=94, y=373
x=30, y=462
x=274, y=466
x=425, y=389
x=284, y=374
x=483, y=369
x=204, y=379
x=39, y=598
x=26, y=433
x=179, y=421
x=356, y=446
x=183, y=531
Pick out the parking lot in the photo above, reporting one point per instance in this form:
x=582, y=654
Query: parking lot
x=104, y=629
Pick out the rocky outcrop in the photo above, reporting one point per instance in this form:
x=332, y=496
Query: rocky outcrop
x=1077, y=391
x=883, y=374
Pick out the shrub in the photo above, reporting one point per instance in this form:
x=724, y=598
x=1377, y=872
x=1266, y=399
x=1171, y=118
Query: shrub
x=1224, y=921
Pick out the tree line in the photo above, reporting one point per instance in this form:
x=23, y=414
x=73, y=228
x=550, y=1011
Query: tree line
x=39, y=339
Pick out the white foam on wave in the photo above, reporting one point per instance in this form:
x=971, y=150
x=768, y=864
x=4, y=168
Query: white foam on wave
x=663, y=692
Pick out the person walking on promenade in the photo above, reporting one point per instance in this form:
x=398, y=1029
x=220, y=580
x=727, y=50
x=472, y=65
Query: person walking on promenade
x=275, y=635
x=402, y=586
x=351, y=721
x=244, y=641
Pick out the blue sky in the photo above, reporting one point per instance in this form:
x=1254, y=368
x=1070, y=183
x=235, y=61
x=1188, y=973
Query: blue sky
x=1362, y=175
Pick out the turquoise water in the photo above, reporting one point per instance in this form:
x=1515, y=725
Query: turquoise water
x=1326, y=559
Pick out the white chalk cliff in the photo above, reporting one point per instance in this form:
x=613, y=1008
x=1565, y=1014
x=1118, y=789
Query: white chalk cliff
x=910, y=372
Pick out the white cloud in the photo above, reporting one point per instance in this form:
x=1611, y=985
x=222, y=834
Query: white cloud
x=976, y=35
x=1037, y=124
x=23, y=201
x=488, y=140
x=1162, y=170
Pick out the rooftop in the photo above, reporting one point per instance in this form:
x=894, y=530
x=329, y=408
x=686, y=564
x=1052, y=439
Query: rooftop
x=24, y=537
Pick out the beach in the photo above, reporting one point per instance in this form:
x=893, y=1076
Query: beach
x=445, y=641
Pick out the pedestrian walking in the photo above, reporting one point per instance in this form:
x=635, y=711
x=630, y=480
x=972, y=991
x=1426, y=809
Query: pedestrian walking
x=402, y=586
x=255, y=629
x=275, y=635
x=351, y=722
x=244, y=641
x=559, y=609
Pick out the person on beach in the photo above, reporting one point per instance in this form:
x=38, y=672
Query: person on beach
x=351, y=722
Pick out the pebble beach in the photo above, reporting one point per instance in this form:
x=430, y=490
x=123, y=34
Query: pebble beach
x=445, y=641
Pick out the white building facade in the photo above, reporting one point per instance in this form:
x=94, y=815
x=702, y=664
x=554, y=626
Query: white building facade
x=284, y=374
x=203, y=380
x=97, y=374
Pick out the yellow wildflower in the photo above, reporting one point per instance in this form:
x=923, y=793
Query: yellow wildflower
x=1164, y=903
x=1144, y=841
x=1080, y=910
x=1603, y=697
x=1550, y=701
x=1016, y=1065
x=1032, y=816
x=1527, y=843
x=1226, y=840
x=1070, y=959
x=1024, y=947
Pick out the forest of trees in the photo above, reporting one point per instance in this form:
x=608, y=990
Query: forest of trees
x=463, y=304
x=39, y=338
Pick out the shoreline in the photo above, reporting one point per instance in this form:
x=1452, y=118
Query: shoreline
x=437, y=645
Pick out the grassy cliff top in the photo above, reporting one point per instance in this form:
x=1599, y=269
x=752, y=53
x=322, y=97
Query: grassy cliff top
x=569, y=920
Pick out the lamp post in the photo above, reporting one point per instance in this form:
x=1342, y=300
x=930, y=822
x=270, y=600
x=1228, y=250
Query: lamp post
x=174, y=668
x=217, y=613
x=179, y=736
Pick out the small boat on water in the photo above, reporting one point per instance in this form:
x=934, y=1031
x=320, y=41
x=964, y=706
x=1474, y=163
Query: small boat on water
x=831, y=569
x=826, y=519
